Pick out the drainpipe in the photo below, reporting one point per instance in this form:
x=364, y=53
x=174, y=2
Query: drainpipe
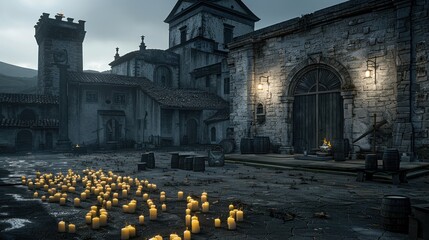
x=412, y=76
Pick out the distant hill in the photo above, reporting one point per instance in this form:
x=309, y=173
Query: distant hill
x=10, y=84
x=15, y=71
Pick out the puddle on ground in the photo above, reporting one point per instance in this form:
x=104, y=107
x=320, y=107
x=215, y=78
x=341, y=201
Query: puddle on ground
x=15, y=223
x=18, y=197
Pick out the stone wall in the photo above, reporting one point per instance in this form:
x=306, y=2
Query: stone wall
x=343, y=38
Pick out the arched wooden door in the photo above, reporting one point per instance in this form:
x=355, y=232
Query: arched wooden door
x=317, y=109
x=24, y=140
x=113, y=130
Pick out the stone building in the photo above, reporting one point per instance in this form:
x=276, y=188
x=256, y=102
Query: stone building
x=326, y=74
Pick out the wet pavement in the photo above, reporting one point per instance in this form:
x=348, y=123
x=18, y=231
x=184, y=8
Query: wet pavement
x=277, y=204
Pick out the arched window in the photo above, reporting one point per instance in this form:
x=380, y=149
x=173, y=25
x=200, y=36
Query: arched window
x=213, y=134
x=163, y=76
x=27, y=115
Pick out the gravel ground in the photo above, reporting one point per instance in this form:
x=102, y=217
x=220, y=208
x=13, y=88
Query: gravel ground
x=277, y=204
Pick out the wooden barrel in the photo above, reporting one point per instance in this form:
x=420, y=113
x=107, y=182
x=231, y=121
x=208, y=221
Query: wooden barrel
x=371, y=162
x=144, y=158
x=175, y=160
x=391, y=160
x=199, y=164
x=182, y=161
x=141, y=166
x=261, y=145
x=394, y=212
x=246, y=145
x=150, y=160
x=216, y=159
x=188, y=163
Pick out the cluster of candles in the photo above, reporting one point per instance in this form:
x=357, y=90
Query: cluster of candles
x=109, y=189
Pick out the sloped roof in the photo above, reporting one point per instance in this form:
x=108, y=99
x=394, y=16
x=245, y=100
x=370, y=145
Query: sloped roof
x=149, y=55
x=41, y=123
x=219, y=116
x=210, y=3
x=20, y=98
x=167, y=97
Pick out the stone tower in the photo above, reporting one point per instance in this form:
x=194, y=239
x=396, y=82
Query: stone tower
x=60, y=43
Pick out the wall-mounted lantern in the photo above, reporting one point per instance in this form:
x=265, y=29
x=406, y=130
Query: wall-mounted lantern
x=371, y=64
x=267, y=79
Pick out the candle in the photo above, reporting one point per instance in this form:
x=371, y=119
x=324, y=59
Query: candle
x=108, y=205
x=195, y=226
x=115, y=202
x=173, y=236
x=179, y=195
x=96, y=223
x=194, y=205
x=162, y=198
x=83, y=196
x=188, y=220
x=132, y=230
x=231, y=223
x=76, y=202
x=125, y=208
x=203, y=198
x=115, y=195
x=124, y=193
x=145, y=196
x=43, y=198
x=153, y=213
x=103, y=220
x=164, y=207
x=61, y=226
x=141, y=219
x=189, y=205
x=186, y=235
x=72, y=228
x=239, y=216
x=88, y=219
x=36, y=195
x=217, y=222
x=131, y=207
x=138, y=193
x=125, y=233
x=232, y=214
x=231, y=207
x=62, y=201
x=205, y=207
x=188, y=211
x=94, y=208
x=71, y=189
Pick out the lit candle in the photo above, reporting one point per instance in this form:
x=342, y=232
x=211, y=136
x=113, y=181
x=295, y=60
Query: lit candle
x=36, y=195
x=72, y=228
x=132, y=230
x=141, y=219
x=103, y=220
x=88, y=219
x=164, y=207
x=162, y=198
x=205, y=207
x=61, y=226
x=173, y=236
x=217, y=222
x=189, y=205
x=186, y=235
x=179, y=195
x=71, y=189
x=239, y=216
x=96, y=223
x=76, y=202
x=232, y=214
x=194, y=205
x=125, y=208
x=153, y=213
x=125, y=233
x=115, y=202
x=203, y=198
x=43, y=198
x=188, y=211
x=94, y=208
x=188, y=220
x=195, y=226
x=231, y=223
x=83, y=196
x=131, y=207
x=231, y=207
x=115, y=195
x=145, y=196
x=62, y=201
x=108, y=205
x=124, y=193
x=138, y=193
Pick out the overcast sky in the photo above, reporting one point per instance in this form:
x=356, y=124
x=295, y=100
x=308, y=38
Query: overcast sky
x=114, y=23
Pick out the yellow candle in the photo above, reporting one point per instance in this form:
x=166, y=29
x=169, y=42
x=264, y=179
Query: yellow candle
x=72, y=228
x=179, y=195
x=188, y=198
x=43, y=198
x=36, y=195
x=239, y=216
x=186, y=235
x=103, y=220
x=188, y=220
x=203, y=198
x=94, y=208
x=83, y=196
x=115, y=195
x=231, y=207
x=115, y=202
x=125, y=233
x=61, y=226
x=62, y=201
x=141, y=219
x=132, y=230
x=231, y=223
x=217, y=222
x=173, y=236
x=71, y=189
x=96, y=223
x=131, y=207
x=162, y=198
x=194, y=205
x=88, y=219
x=108, y=205
x=138, y=193
x=124, y=193
x=189, y=205
x=188, y=211
x=145, y=196
x=232, y=214
x=195, y=226
x=153, y=213
x=164, y=207
x=76, y=202
x=125, y=208
x=205, y=207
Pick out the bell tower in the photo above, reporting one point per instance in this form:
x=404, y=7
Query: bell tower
x=59, y=42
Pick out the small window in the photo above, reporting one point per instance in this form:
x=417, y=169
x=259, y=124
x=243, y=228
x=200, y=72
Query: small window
x=226, y=85
x=260, y=113
x=183, y=34
x=91, y=97
x=228, y=34
x=213, y=134
x=119, y=98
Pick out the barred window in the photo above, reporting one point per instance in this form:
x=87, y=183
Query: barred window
x=119, y=98
x=91, y=97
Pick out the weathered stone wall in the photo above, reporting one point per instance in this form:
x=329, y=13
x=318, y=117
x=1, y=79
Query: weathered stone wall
x=342, y=37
